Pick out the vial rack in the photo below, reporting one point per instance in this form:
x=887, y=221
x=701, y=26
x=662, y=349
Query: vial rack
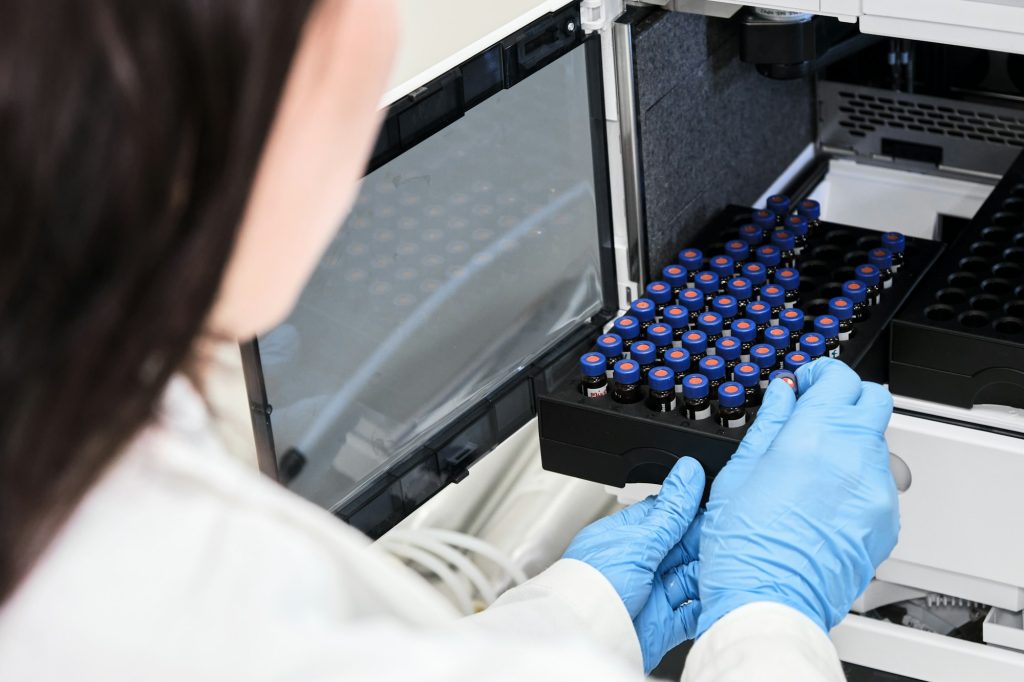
x=614, y=444
x=960, y=338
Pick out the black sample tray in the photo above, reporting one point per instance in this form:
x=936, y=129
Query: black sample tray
x=611, y=443
x=959, y=340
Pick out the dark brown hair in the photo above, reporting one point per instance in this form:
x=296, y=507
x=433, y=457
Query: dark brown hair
x=130, y=132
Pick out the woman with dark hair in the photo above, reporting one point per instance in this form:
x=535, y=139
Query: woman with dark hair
x=171, y=172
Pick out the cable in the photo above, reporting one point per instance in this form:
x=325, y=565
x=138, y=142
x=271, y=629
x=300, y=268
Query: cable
x=426, y=542
x=484, y=549
x=463, y=600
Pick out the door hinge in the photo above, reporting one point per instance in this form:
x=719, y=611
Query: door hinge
x=597, y=15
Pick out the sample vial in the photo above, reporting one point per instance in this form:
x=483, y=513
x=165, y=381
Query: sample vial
x=677, y=317
x=871, y=277
x=779, y=339
x=593, y=380
x=748, y=375
x=728, y=349
x=785, y=241
x=696, y=344
x=857, y=291
x=678, y=360
x=896, y=242
x=794, y=321
x=764, y=219
x=752, y=234
x=696, y=397
x=727, y=307
x=842, y=309
x=780, y=205
x=707, y=283
x=661, y=335
x=676, y=276
x=812, y=344
x=628, y=329
x=627, y=388
x=775, y=297
x=763, y=355
x=732, y=399
x=741, y=289
x=725, y=267
x=643, y=309
x=789, y=280
x=798, y=226
x=769, y=256
x=662, y=394
x=693, y=301
x=739, y=251
x=714, y=369
x=661, y=294
x=796, y=360
x=610, y=346
x=710, y=324
x=811, y=210
x=787, y=376
x=693, y=261
x=645, y=354
x=882, y=259
x=757, y=273
x=745, y=331
x=828, y=327
x=761, y=313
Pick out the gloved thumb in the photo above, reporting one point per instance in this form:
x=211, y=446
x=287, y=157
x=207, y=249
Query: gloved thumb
x=678, y=502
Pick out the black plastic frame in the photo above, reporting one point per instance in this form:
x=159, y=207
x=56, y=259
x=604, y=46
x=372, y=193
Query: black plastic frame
x=445, y=456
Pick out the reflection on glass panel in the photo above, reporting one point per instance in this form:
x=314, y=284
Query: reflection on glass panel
x=463, y=260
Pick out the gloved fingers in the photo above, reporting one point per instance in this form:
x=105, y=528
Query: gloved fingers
x=677, y=503
x=686, y=551
x=631, y=515
x=681, y=584
x=875, y=404
x=827, y=382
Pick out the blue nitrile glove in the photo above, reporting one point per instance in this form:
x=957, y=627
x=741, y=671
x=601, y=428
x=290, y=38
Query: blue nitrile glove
x=648, y=553
x=806, y=523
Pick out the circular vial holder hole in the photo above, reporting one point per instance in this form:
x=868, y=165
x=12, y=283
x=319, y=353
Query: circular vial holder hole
x=951, y=296
x=973, y=319
x=962, y=280
x=939, y=313
x=1014, y=309
x=831, y=290
x=846, y=273
x=1009, y=271
x=840, y=238
x=1017, y=191
x=986, y=303
x=1000, y=235
x=808, y=285
x=1010, y=219
x=985, y=249
x=827, y=252
x=973, y=264
x=714, y=249
x=996, y=286
x=1009, y=325
x=1018, y=239
x=1014, y=205
x=817, y=269
x=816, y=306
x=868, y=242
x=855, y=258
x=1014, y=254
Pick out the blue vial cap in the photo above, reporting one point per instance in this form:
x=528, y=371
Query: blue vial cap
x=643, y=309
x=707, y=281
x=797, y=225
x=643, y=352
x=691, y=259
x=660, y=292
x=723, y=265
x=792, y=319
x=593, y=364
x=693, y=299
x=764, y=219
x=769, y=255
x=744, y=329
x=777, y=337
x=676, y=317
x=661, y=379
x=788, y=278
x=710, y=323
x=713, y=367
x=827, y=326
x=660, y=334
x=675, y=275
x=627, y=372
x=796, y=360
x=786, y=375
x=894, y=241
x=813, y=344
x=728, y=348
x=740, y=288
x=731, y=394
x=779, y=204
x=752, y=234
x=695, y=342
x=869, y=275
x=696, y=386
x=855, y=291
x=757, y=273
x=747, y=374
x=678, y=360
x=763, y=355
x=737, y=249
x=773, y=295
x=725, y=306
x=627, y=327
x=880, y=258
x=610, y=345
x=784, y=239
x=841, y=307
x=760, y=312
x=810, y=209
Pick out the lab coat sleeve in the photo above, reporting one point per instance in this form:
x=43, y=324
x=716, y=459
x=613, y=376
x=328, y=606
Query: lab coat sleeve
x=763, y=641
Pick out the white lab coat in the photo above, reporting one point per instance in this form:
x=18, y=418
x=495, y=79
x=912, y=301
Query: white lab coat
x=182, y=565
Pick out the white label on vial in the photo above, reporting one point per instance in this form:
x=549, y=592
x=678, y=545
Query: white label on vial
x=679, y=388
x=790, y=304
x=888, y=284
x=712, y=350
x=610, y=373
x=834, y=353
x=745, y=357
x=597, y=392
x=735, y=423
x=764, y=384
x=844, y=336
x=703, y=414
x=726, y=332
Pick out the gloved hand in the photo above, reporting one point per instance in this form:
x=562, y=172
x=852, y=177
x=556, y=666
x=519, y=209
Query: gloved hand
x=806, y=523
x=648, y=553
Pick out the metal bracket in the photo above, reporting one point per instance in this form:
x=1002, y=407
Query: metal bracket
x=597, y=15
